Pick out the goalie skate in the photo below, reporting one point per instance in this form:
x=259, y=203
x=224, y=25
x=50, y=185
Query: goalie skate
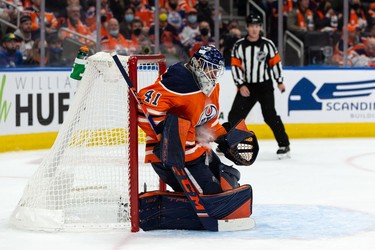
x=283, y=152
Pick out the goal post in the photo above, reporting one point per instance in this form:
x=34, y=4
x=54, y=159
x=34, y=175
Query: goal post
x=91, y=177
x=139, y=66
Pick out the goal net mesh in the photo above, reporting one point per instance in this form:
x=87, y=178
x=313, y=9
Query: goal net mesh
x=84, y=180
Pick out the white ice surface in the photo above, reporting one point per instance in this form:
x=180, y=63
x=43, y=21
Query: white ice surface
x=323, y=197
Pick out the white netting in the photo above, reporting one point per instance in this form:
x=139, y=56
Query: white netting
x=83, y=182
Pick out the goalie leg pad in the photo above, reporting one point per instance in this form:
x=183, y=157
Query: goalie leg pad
x=169, y=210
x=231, y=204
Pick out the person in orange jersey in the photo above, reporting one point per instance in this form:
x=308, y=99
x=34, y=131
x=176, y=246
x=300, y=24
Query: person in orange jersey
x=190, y=91
x=114, y=41
x=255, y=64
x=50, y=20
x=74, y=23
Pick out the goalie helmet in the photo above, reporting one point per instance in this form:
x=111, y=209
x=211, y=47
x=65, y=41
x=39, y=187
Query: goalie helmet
x=208, y=65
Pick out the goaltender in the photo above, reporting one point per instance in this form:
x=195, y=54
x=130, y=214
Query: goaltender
x=184, y=104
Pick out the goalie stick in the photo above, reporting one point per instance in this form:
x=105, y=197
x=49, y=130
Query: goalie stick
x=209, y=223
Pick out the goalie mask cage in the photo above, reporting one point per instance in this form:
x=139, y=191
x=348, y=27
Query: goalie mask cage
x=91, y=177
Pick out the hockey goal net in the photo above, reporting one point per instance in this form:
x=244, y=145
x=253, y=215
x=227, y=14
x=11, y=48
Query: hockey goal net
x=93, y=174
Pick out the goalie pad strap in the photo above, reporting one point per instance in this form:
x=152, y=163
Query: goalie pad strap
x=229, y=177
x=170, y=210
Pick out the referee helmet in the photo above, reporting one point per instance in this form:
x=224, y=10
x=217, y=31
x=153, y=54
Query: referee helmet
x=254, y=18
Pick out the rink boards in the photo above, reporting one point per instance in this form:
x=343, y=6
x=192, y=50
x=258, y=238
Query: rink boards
x=317, y=103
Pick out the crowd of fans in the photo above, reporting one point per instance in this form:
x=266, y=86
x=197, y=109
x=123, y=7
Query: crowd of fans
x=304, y=18
x=127, y=26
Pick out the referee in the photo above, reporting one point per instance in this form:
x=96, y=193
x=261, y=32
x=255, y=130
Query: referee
x=255, y=62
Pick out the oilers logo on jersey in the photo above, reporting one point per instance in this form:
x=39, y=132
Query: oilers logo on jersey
x=209, y=112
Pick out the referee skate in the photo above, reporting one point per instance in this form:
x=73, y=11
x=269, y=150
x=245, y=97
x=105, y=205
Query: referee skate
x=283, y=152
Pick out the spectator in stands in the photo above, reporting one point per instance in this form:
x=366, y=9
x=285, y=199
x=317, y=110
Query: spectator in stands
x=106, y=13
x=51, y=23
x=173, y=51
x=163, y=23
x=203, y=39
x=144, y=12
x=363, y=56
x=118, y=7
x=326, y=18
x=357, y=15
x=371, y=13
x=10, y=57
x=301, y=19
x=14, y=4
x=204, y=13
x=55, y=53
x=73, y=23
x=9, y=12
x=226, y=32
x=4, y=14
x=10, y=9
x=24, y=36
x=176, y=14
x=60, y=9
x=114, y=41
x=140, y=37
x=174, y=8
x=372, y=31
x=26, y=4
x=172, y=5
x=174, y=24
x=103, y=24
x=170, y=26
x=126, y=22
x=34, y=59
x=186, y=5
x=354, y=39
x=229, y=40
x=191, y=29
x=288, y=5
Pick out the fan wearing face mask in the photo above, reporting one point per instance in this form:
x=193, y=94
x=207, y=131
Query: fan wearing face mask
x=126, y=23
x=114, y=41
x=204, y=37
x=190, y=30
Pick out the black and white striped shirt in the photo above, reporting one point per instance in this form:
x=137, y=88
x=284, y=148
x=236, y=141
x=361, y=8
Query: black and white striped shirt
x=252, y=62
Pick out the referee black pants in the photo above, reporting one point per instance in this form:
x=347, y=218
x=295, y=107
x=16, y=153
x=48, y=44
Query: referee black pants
x=264, y=94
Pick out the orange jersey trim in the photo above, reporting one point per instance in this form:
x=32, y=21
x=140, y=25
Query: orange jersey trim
x=274, y=60
x=236, y=62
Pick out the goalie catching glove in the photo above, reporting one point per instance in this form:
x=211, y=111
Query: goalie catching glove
x=239, y=145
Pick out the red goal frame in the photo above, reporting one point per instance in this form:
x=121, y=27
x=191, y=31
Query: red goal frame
x=133, y=63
